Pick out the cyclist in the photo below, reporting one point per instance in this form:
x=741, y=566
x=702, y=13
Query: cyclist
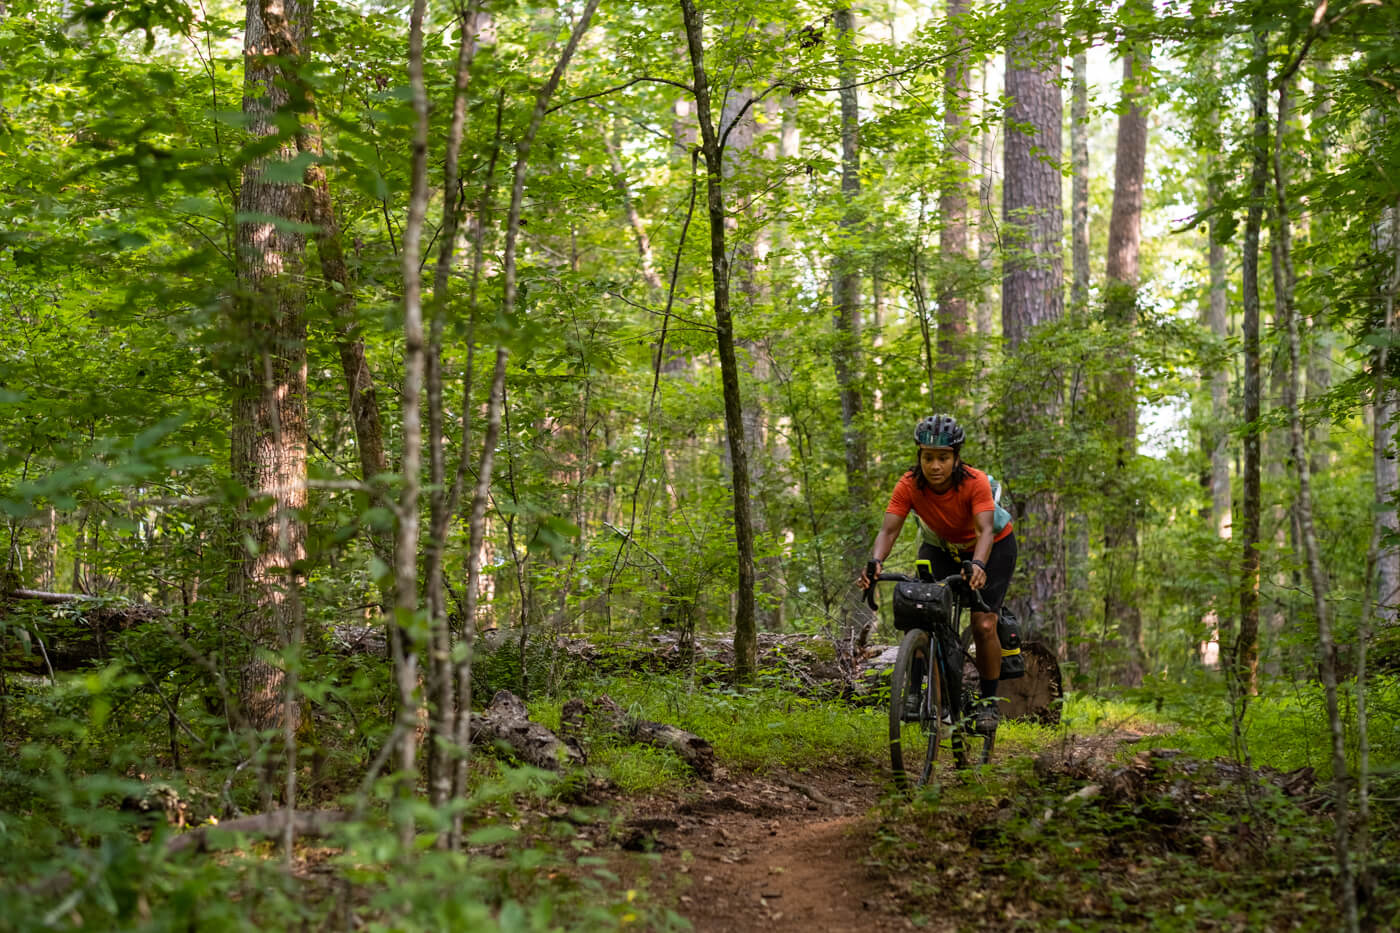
x=954, y=502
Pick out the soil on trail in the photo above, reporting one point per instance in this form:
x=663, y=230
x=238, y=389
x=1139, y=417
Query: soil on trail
x=770, y=854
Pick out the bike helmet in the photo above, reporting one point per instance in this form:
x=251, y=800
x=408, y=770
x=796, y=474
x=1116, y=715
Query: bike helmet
x=939, y=431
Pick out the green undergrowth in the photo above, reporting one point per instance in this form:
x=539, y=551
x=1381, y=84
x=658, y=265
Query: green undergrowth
x=1184, y=850
x=525, y=869
x=755, y=729
x=1285, y=726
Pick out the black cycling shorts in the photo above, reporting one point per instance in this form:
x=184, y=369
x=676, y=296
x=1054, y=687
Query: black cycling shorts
x=1001, y=564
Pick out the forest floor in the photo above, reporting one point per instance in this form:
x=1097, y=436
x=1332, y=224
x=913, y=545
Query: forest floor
x=1087, y=836
x=768, y=853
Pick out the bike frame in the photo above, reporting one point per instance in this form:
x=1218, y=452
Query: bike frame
x=940, y=632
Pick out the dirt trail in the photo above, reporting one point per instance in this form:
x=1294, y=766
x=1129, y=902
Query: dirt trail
x=771, y=855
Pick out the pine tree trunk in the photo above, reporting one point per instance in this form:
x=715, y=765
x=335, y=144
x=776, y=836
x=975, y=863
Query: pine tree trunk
x=1120, y=307
x=952, y=198
x=745, y=633
x=1032, y=295
x=268, y=439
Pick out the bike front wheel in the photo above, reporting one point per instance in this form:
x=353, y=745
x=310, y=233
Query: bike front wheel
x=914, y=735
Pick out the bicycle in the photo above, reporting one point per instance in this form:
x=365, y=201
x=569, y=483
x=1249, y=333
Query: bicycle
x=928, y=611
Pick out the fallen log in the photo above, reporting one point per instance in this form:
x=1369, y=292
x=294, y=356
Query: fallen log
x=604, y=711
x=77, y=630
x=269, y=825
x=507, y=720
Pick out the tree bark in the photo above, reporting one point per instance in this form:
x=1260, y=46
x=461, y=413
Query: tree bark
x=952, y=199
x=268, y=439
x=1385, y=408
x=1079, y=170
x=1032, y=296
x=1219, y=630
x=443, y=498
x=1242, y=662
x=846, y=279
x=1120, y=306
x=745, y=645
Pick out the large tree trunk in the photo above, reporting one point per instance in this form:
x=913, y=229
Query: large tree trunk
x=1243, y=660
x=745, y=645
x=268, y=439
x=1218, y=629
x=1032, y=295
x=846, y=287
x=1120, y=307
x=952, y=198
x=846, y=277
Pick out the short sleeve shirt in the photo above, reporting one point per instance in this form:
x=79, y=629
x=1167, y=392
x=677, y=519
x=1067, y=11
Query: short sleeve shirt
x=951, y=514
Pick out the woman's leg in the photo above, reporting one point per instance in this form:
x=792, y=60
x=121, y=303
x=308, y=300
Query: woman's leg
x=1001, y=564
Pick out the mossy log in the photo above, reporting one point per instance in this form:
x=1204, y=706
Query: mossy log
x=605, y=712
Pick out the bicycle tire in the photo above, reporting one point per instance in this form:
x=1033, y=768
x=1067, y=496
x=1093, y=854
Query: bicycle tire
x=914, y=744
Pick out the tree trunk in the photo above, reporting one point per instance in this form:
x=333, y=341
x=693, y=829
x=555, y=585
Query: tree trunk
x=1032, y=295
x=987, y=246
x=745, y=645
x=1120, y=308
x=443, y=498
x=1218, y=630
x=740, y=156
x=847, y=278
x=268, y=439
x=1243, y=660
x=1079, y=171
x=952, y=198
x=1385, y=408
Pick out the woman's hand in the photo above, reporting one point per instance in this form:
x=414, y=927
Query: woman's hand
x=976, y=577
x=872, y=570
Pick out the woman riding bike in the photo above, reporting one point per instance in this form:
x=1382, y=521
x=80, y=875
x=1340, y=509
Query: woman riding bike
x=955, y=503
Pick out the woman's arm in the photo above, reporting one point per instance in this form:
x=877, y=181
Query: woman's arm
x=884, y=543
x=986, y=534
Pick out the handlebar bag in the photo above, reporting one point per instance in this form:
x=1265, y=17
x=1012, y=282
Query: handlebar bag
x=921, y=605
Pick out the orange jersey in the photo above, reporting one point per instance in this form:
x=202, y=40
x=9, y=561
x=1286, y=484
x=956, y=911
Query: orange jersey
x=950, y=514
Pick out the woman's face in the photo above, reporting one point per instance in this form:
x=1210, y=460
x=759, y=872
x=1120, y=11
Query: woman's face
x=937, y=464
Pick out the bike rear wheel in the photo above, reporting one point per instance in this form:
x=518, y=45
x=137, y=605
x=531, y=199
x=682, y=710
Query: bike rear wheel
x=914, y=739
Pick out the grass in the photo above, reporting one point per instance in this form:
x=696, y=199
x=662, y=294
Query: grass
x=755, y=729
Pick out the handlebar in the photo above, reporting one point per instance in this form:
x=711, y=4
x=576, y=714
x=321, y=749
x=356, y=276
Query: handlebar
x=952, y=580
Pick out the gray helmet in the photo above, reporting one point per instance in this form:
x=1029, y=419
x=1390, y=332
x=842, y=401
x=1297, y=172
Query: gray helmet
x=939, y=431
